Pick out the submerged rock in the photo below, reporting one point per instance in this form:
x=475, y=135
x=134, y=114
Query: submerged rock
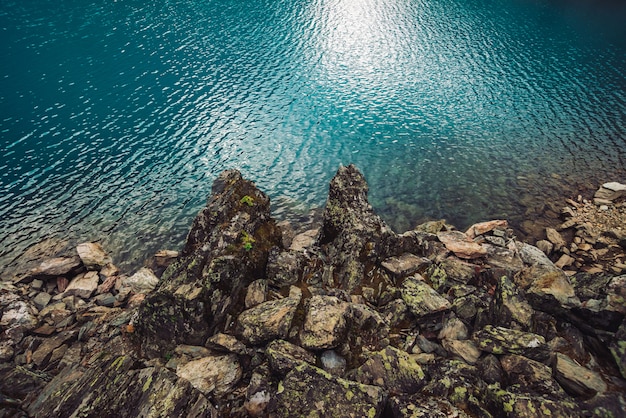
x=93, y=255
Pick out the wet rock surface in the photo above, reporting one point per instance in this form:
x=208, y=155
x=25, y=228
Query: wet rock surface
x=344, y=319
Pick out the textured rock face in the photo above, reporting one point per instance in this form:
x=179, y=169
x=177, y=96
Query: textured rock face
x=352, y=236
x=309, y=392
x=123, y=391
x=226, y=249
x=355, y=321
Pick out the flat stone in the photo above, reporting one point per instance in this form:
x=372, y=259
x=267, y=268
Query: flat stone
x=421, y=298
x=41, y=300
x=500, y=340
x=463, y=349
x=164, y=258
x=555, y=238
x=227, y=343
x=143, y=281
x=215, y=374
x=545, y=246
x=564, y=261
x=83, y=285
x=59, y=266
x=610, y=191
x=42, y=355
x=405, y=265
x=193, y=351
x=267, y=321
x=484, y=227
x=576, y=379
x=93, y=255
x=37, y=284
x=461, y=245
x=105, y=299
x=325, y=324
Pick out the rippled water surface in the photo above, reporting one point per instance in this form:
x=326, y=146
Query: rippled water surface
x=116, y=116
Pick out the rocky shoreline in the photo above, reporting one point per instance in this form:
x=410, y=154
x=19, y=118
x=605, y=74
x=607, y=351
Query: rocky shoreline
x=346, y=318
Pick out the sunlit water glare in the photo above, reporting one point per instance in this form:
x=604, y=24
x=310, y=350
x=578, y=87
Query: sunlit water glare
x=117, y=115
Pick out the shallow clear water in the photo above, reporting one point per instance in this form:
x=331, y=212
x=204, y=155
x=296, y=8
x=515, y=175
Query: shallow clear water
x=116, y=116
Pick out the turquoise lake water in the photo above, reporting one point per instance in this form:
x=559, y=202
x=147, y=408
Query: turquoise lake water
x=117, y=115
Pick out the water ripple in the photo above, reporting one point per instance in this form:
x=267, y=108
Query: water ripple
x=117, y=116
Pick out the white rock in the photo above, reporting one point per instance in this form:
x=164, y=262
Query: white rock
x=83, y=285
x=144, y=281
x=215, y=374
x=19, y=313
x=93, y=255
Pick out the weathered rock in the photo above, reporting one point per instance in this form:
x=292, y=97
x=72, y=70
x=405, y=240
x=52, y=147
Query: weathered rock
x=93, y=255
x=352, y=235
x=59, y=266
x=530, y=376
x=499, y=340
x=268, y=321
x=555, y=238
x=459, y=383
x=284, y=356
x=508, y=404
x=83, y=285
x=105, y=299
x=226, y=249
x=123, y=391
x=325, y=324
x=215, y=374
x=509, y=307
x=44, y=351
x=256, y=293
x=405, y=265
x=463, y=349
x=143, y=281
x=491, y=369
x=18, y=314
x=284, y=268
x=611, y=191
x=421, y=298
x=461, y=245
x=259, y=392
x=304, y=240
x=41, y=300
x=453, y=329
x=333, y=363
x=307, y=391
x=227, y=343
x=419, y=406
x=391, y=369
x=485, y=227
x=576, y=379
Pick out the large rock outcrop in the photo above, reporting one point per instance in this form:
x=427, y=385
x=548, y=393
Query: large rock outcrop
x=353, y=320
x=202, y=292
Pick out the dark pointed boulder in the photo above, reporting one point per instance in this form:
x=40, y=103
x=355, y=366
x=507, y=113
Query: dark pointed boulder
x=202, y=292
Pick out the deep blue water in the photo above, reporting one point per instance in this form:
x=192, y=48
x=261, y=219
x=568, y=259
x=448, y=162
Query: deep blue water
x=117, y=115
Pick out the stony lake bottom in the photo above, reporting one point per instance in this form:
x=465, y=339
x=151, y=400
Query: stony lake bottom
x=116, y=116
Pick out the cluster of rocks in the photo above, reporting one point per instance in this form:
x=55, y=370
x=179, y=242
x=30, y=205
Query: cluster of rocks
x=347, y=319
x=592, y=236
